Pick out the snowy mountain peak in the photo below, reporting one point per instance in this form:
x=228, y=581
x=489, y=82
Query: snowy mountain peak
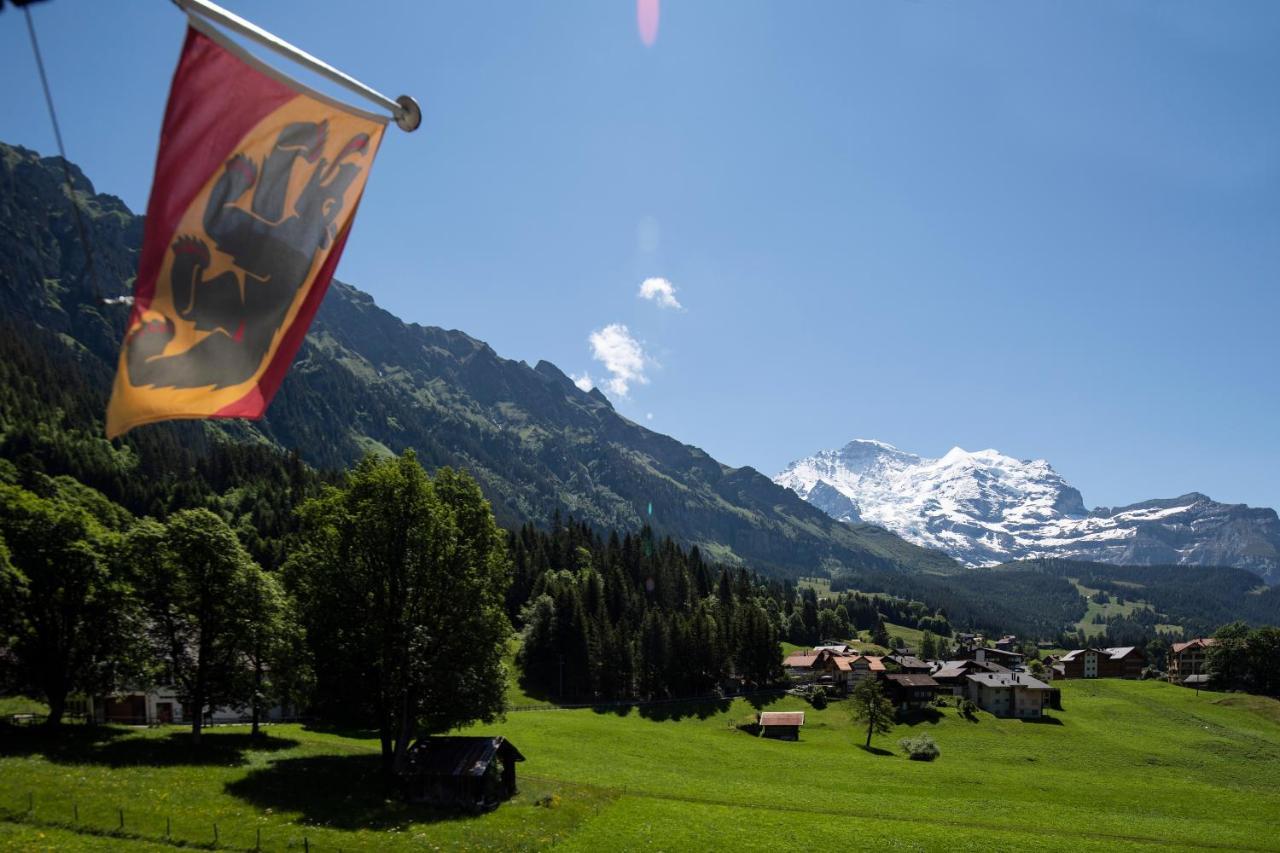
x=983, y=507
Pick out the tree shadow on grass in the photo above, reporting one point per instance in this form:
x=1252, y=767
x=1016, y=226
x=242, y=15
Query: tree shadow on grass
x=874, y=750
x=618, y=710
x=339, y=791
x=920, y=715
x=341, y=730
x=113, y=747
x=1045, y=720
x=700, y=708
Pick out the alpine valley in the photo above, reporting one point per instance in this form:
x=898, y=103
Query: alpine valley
x=365, y=380
x=985, y=508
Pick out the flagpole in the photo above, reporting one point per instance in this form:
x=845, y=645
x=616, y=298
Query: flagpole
x=404, y=109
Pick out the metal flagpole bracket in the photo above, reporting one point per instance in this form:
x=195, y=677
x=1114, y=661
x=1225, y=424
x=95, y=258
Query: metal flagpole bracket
x=404, y=109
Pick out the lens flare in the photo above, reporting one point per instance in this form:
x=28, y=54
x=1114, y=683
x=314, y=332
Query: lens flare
x=647, y=21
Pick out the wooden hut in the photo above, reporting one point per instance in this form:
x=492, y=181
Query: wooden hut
x=467, y=772
x=783, y=725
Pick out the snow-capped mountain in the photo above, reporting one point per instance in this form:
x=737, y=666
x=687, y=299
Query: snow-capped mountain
x=984, y=507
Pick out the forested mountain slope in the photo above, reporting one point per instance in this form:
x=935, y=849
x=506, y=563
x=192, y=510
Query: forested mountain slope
x=537, y=444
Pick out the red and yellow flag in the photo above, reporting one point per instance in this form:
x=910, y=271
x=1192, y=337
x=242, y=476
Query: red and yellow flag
x=256, y=186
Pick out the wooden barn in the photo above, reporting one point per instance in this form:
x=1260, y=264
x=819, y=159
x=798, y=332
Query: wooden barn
x=783, y=725
x=467, y=772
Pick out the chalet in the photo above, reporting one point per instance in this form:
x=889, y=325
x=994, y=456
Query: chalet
x=1006, y=643
x=910, y=664
x=1187, y=660
x=471, y=772
x=910, y=692
x=783, y=725
x=953, y=675
x=863, y=666
x=1009, y=694
x=1116, y=662
x=824, y=666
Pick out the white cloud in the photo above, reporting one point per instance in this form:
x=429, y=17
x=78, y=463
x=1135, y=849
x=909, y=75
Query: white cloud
x=584, y=381
x=621, y=354
x=648, y=416
x=661, y=291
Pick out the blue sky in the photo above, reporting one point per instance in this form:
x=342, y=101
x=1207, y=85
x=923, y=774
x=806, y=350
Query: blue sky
x=1048, y=228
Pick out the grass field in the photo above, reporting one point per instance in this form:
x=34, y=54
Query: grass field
x=1127, y=765
x=1111, y=608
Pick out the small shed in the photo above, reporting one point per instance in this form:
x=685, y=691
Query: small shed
x=783, y=725
x=471, y=772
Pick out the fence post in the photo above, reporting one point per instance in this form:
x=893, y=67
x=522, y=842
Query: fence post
x=31, y=802
x=215, y=835
x=75, y=811
x=121, y=818
x=306, y=845
x=168, y=826
x=258, y=843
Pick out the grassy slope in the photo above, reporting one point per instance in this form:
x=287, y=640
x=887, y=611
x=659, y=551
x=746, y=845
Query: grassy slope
x=1131, y=765
x=1107, y=610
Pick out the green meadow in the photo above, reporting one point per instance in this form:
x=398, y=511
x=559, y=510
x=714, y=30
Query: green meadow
x=1126, y=765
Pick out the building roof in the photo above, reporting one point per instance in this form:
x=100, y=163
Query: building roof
x=782, y=718
x=800, y=659
x=909, y=662
x=1199, y=643
x=1003, y=653
x=1114, y=652
x=844, y=664
x=1201, y=678
x=875, y=664
x=459, y=756
x=1009, y=679
x=904, y=679
x=958, y=668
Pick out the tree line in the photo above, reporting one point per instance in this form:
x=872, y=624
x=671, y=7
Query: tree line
x=633, y=617
x=388, y=612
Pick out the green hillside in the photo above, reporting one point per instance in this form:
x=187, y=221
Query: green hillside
x=365, y=380
x=1127, y=765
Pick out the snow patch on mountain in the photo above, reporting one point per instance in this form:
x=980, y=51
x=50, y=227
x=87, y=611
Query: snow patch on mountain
x=983, y=507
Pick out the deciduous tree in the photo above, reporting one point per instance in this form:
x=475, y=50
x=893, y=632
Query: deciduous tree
x=70, y=618
x=401, y=582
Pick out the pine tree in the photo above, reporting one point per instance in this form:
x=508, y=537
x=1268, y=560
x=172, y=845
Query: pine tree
x=869, y=705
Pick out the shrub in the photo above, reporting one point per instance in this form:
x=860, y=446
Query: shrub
x=968, y=710
x=920, y=748
x=819, y=698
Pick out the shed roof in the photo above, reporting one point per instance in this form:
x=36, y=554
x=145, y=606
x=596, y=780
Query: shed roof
x=459, y=756
x=782, y=718
x=800, y=659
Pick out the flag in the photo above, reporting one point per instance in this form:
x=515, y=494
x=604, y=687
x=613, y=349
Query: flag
x=256, y=185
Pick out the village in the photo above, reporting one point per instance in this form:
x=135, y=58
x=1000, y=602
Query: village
x=992, y=676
